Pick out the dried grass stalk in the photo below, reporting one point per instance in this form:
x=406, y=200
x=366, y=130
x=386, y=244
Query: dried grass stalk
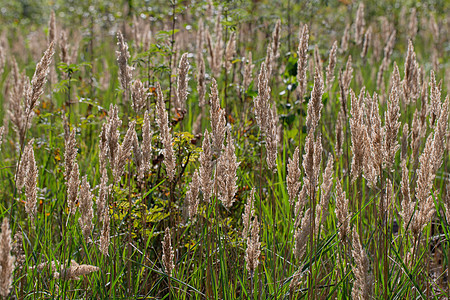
x=201, y=83
x=315, y=104
x=230, y=51
x=253, y=248
x=331, y=65
x=86, y=211
x=182, y=83
x=125, y=71
x=301, y=235
x=342, y=213
x=391, y=123
x=359, y=24
x=293, y=176
x=302, y=62
x=6, y=260
x=206, y=167
x=248, y=214
x=362, y=287
x=192, y=195
x=165, y=135
x=75, y=271
x=168, y=253
x=218, y=120
x=226, y=173
x=138, y=95
x=248, y=71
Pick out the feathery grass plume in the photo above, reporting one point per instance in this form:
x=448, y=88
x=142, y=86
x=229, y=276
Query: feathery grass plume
x=275, y=46
x=268, y=61
x=72, y=188
x=168, y=253
x=182, y=82
x=302, y=62
x=272, y=139
x=358, y=134
x=226, y=173
x=367, y=40
x=308, y=159
x=2, y=131
x=70, y=153
x=124, y=151
x=412, y=25
x=215, y=49
x=201, y=83
x=435, y=98
x=376, y=133
x=360, y=23
x=206, y=167
x=391, y=123
x=404, y=150
x=315, y=103
x=347, y=76
x=125, y=75
x=248, y=71
x=440, y=135
x=112, y=133
x=67, y=54
x=75, y=271
x=36, y=89
x=87, y=214
x=331, y=66
x=52, y=27
x=31, y=183
x=248, y=214
x=103, y=192
x=425, y=179
x=23, y=168
x=411, y=81
x=146, y=146
x=261, y=102
x=17, y=250
x=166, y=137
x=63, y=48
x=423, y=215
x=138, y=95
x=342, y=212
x=339, y=133
x=299, y=205
x=230, y=51
x=317, y=60
x=192, y=195
x=103, y=153
x=345, y=38
x=301, y=234
x=6, y=259
x=386, y=59
x=362, y=287
x=218, y=120
x=418, y=131
x=407, y=204
x=293, y=176
x=327, y=182
x=105, y=238
x=253, y=250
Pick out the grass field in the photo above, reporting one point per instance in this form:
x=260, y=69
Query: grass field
x=224, y=150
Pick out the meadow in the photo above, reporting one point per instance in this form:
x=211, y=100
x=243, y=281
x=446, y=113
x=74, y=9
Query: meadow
x=200, y=149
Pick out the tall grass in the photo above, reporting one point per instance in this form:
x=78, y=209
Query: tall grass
x=321, y=173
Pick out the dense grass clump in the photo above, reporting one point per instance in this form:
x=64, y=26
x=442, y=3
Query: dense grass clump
x=229, y=150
